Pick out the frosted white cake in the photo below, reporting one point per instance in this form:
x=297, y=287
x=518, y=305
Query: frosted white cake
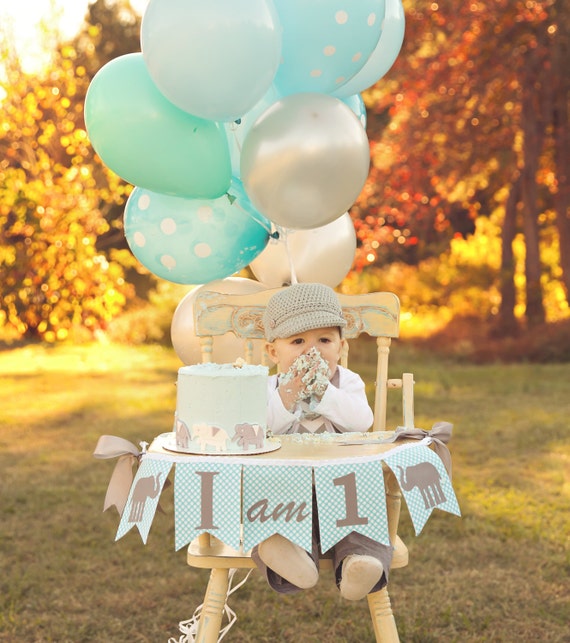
x=221, y=408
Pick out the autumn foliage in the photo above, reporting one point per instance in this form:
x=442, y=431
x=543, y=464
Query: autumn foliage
x=465, y=213
x=53, y=199
x=472, y=122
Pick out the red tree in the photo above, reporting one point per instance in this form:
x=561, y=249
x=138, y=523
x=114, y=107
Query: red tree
x=465, y=117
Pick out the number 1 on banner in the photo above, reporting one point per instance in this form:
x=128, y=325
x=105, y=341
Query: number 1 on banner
x=350, y=501
x=351, y=498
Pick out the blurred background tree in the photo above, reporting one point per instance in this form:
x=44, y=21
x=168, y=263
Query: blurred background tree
x=62, y=254
x=465, y=213
x=472, y=121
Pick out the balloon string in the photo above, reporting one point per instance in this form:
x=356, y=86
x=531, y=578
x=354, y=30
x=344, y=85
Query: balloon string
x=233, y=128
x=274, y=235
x=290, y=259
x=259, y=219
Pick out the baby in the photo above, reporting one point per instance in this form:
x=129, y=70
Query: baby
x=311, y=393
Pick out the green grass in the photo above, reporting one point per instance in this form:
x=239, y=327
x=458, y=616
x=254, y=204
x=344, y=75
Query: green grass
x=500, y=573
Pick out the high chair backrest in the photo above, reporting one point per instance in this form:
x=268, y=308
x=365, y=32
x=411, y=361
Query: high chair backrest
x=376, y=314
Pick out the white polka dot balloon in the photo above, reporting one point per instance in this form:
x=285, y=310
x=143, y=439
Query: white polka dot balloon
x=194, y=241
x=325, y=42
x=384, y=54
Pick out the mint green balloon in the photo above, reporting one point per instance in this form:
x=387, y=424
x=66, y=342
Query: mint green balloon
x=147, y=140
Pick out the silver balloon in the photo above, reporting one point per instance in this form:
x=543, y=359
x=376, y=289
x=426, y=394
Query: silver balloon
x=305, y=160
x=227, y=348
x=323, y=255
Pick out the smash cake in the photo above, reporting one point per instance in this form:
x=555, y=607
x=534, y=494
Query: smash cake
x=221, y=408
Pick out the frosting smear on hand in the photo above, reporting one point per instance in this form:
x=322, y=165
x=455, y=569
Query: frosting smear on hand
x=314, y=373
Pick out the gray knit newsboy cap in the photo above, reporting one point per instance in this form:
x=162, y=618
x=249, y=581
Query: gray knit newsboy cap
x=301, y=307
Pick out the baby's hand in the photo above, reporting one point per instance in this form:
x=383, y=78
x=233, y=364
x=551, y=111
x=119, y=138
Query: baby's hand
x=317, y=376
x=290, y=390
x=309, y=374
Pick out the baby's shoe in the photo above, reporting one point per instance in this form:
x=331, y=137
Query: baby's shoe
x=290, y=561
x=359, y=574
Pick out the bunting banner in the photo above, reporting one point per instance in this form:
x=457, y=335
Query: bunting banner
x=242, y=501
x=277, y=500
x=207, y=499
x=350, y=497
x=143, y=497
x=424, y=482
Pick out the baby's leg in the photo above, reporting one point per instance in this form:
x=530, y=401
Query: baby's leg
x=361, y=565
x=287, y=564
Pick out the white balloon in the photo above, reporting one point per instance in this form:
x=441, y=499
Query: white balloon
x=212, y=59
x=323, y=255
x=227, y=348
x=305, y=160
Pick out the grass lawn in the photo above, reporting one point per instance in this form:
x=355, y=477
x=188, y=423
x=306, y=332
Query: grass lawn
x=499, y=573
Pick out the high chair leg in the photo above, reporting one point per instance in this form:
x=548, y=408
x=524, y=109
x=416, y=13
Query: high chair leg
x=213, y=608
x=382, y=617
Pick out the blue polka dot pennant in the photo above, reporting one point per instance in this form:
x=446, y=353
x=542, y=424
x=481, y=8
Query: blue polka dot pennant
x=277, y=500
x=207, y=499
x=350, y=497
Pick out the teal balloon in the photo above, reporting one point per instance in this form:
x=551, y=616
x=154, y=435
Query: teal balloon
x=194, y=241
x=212, y=58
x=384, y=54
x=147, y=140
x=325, y=42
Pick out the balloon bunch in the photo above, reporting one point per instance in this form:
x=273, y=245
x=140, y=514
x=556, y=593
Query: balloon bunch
x=239, y=122
x=242, y=128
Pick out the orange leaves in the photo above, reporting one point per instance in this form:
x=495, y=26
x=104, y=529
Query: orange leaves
x=447, y=118
x=51, y=191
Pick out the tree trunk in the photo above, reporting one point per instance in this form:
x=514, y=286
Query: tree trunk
x=507, y=323
x=561, y=90
x=532, y=131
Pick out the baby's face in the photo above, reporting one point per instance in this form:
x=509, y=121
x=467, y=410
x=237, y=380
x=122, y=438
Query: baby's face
x=327, y=341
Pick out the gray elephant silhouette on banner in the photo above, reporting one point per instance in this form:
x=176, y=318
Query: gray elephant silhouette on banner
x=427, y=479
x=148, y=487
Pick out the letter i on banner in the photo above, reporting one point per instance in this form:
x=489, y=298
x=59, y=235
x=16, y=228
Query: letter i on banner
x=351, y=497
x=424, y=482
x=207, y=499
x=143, y=497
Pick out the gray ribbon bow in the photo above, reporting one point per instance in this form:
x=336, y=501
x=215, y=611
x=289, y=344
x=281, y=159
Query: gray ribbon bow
x=109, y=446
x=440, y=434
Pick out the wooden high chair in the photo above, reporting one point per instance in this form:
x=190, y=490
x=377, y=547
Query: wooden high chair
x=376, y=314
